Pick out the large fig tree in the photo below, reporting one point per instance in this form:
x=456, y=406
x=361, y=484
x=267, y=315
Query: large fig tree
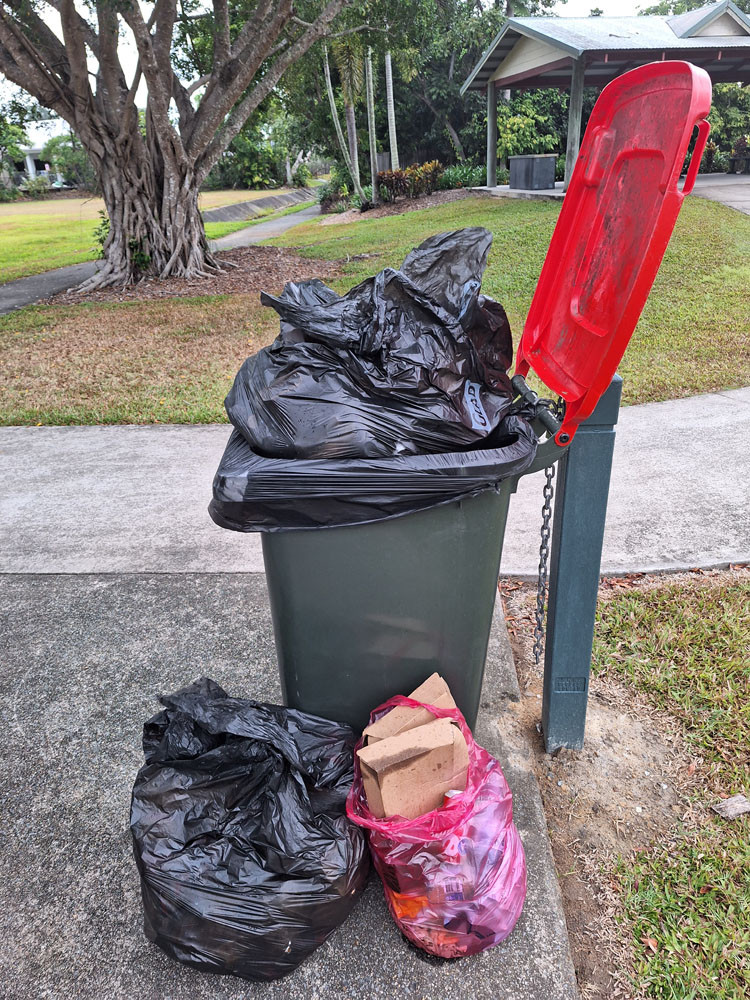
x=151, y=166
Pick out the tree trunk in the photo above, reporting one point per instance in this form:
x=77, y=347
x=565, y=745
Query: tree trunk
x=395, y=163
x=155, y=225
x=457, y=144
x=453, y=135
x=351, y=135
x=337, y=127
x=371, y=128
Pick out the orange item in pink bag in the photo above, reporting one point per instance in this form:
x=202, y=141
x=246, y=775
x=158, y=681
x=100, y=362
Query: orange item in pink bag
x=454, y=878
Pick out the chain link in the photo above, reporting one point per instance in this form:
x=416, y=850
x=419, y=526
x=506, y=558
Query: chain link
x=541, y=587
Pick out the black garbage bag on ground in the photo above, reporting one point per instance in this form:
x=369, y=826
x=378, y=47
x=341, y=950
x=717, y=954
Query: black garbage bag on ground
x=406, y=363
x=247, y=860
x=391, y=399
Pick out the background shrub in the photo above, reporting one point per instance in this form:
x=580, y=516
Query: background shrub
x=423, y=178
x=393, y=184
x=36, y=187
x=333, y=196
x=463, y=175
x=302, y=176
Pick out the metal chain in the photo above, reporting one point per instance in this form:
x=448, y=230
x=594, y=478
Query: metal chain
x=541, y=587
x=558, y=409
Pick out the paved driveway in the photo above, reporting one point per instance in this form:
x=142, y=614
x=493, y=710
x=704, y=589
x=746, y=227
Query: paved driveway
x=729, y=189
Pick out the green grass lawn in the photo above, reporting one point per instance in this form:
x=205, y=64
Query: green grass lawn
x=37, y=236
x=692, y=337
x=687, y=647
x=215, y=230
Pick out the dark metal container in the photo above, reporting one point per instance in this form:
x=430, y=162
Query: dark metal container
x=533, y=173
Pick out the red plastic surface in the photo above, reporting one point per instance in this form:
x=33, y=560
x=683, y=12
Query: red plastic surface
x=616, y=220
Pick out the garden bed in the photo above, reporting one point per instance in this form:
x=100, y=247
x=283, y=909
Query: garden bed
x=397, y=207
x=249, y=269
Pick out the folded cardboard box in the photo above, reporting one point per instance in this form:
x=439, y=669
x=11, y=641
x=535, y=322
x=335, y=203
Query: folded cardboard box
x=434, y=691
x=409, y=774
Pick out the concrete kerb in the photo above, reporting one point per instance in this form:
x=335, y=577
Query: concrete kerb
x=85, y=657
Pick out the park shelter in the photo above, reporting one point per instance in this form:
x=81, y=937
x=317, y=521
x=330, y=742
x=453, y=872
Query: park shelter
x=577, y=52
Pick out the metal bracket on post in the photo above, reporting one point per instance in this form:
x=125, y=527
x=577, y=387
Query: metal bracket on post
x=578, y=532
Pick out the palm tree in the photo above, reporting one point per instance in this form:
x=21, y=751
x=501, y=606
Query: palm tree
x=395, y=163
x=371, y=127
x=354, y=172
x=347, y=54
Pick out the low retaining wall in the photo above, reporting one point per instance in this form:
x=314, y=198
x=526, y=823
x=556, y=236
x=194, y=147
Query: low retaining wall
x=259, y=206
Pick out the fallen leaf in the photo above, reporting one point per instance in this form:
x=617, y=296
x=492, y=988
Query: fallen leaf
x=733, y=807
x=650, y=943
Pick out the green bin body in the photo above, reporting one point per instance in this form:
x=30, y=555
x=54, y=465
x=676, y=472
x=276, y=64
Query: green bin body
x=366, y=612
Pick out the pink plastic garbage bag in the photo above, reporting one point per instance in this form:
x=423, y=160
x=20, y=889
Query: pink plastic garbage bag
x=454, y=878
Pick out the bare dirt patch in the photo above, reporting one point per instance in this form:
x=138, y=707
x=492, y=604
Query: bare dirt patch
x=628, y=787
x=249, y=269
x=398, y=207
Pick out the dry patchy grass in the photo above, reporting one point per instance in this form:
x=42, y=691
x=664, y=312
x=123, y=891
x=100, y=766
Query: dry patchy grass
x=157, y=353
x=159, y=361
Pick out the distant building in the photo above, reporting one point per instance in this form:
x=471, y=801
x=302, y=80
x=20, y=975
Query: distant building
x=573, y=52
x=39, y=133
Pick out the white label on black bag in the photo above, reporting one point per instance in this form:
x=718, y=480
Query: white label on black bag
x=474, y=408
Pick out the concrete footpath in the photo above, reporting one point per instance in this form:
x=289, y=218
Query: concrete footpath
x=265, y=230
x=732, y=190
x=84, y=658
x=25, y=291
x=133, y=499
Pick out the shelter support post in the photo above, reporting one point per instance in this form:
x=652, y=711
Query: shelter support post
x=491, y=134
x=575, y=113
x=577, y=536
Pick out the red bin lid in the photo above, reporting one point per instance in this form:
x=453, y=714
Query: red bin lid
x=616, y=220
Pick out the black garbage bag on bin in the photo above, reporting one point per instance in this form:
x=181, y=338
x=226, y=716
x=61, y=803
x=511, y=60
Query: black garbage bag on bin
x=247, y=860
x=253, y=493
x=391, y=399
x=407, y=362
